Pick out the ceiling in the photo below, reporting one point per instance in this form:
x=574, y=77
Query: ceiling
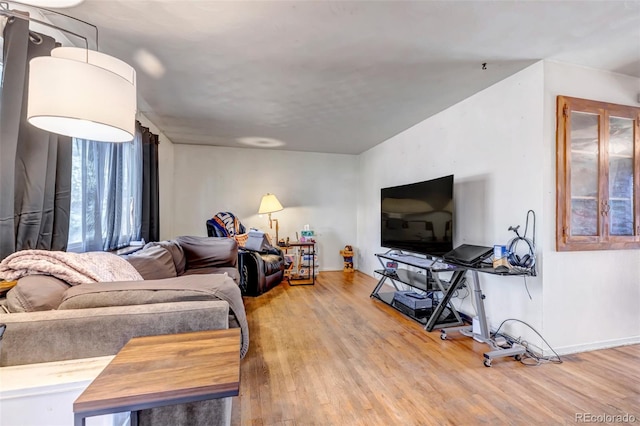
x=340, y=77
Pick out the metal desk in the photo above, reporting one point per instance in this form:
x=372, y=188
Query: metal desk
x=445, y=317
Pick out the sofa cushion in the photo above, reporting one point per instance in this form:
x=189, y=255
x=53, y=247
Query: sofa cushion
x=184, y=288
x=204, y=252
x=231, y=271
x=153, y=263
x=36, y=293
x=176, y=251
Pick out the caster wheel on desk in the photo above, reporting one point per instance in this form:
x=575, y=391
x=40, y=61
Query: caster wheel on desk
x=487, y=363
x=517, y=357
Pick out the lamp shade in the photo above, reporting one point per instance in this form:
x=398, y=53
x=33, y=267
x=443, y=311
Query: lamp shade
x=52, y=3
x=269, y=204
x=83, y=94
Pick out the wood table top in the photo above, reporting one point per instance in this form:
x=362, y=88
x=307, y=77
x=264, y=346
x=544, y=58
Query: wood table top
x=165, y=370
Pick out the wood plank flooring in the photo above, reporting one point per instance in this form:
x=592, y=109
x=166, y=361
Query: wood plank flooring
x=329, y=355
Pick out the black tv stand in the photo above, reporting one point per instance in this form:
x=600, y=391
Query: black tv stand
x=426, y=280
x=440, y=317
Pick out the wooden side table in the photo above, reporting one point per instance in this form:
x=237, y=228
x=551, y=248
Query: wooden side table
x=155, y=371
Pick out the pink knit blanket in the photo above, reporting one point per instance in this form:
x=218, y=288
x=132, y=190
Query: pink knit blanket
x=74, y=268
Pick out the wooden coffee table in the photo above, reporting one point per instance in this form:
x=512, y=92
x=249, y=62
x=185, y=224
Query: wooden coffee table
x=155, y=371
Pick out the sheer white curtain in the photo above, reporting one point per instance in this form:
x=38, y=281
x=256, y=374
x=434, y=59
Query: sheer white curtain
x=106, y=200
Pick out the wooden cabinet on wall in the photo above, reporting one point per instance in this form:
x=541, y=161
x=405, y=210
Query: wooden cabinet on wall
x=597, y=176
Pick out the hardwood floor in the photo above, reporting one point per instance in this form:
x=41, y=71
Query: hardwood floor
x=329, y=355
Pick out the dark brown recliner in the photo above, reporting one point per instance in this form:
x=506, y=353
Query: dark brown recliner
x=259, y=271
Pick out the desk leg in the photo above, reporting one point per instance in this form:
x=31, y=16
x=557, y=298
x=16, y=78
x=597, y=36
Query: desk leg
x=133, y=418
x=479, y=298
x=485, y=334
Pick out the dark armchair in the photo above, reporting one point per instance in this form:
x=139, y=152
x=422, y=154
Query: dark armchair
x=259, y=271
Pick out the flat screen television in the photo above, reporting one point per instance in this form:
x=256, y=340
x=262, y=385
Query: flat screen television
x=418, y=217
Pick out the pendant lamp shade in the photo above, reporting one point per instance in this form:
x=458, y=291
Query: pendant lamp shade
x=52, y=3
x=83, y=94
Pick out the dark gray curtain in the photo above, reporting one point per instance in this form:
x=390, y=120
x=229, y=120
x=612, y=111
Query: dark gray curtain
x=35, y=166
x=150, y=230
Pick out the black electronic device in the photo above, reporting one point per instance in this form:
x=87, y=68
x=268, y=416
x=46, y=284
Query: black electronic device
x=414, y=295
x=391, y=267
x=468, y=255
x=418, y=217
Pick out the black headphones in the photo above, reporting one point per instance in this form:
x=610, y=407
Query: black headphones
x=528, y=260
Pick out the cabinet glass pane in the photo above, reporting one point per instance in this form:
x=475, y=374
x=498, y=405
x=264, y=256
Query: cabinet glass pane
x=584, y=155
x=584, y=132
x=584, y=174
x=621, y=136
x=584, y=217
x=621, y=217
x=621, y=176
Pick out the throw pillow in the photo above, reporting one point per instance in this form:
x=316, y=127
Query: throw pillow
x=36, y=293
x=176, y=251
x=153, y=263
x=205, y=252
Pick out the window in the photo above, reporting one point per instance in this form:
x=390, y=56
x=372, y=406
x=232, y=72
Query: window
x=598, y=176
x=106, y=186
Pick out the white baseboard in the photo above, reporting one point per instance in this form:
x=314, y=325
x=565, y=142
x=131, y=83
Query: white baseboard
x=573, y=349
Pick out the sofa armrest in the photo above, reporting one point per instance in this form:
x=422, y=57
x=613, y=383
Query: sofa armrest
x=259, y=271
x=34, y=337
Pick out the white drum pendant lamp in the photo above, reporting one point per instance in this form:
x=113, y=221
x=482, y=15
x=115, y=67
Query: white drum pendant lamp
x=83, y=94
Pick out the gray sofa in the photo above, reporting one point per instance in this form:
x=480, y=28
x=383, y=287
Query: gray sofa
x=190, y=284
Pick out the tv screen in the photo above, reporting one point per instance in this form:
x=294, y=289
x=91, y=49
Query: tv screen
x=418, y=217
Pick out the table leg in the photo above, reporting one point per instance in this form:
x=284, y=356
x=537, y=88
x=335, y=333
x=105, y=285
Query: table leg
x=133, y=418
x=79, y=420
x=375, y=290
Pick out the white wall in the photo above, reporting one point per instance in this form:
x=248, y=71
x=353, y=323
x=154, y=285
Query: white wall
x=591, y=298
x=492, y=143
x=166, y=178
x=500, y=144
x=315, y=189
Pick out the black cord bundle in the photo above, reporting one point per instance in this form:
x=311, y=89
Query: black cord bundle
x=530, y=354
